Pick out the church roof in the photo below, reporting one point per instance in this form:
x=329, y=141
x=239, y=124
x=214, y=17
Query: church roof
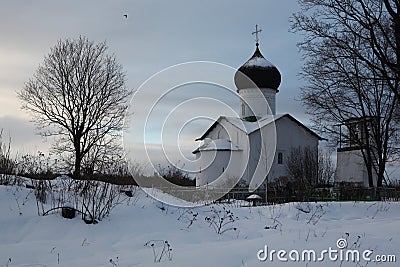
x=219, y=144
x=257, y=72
x=250, y=127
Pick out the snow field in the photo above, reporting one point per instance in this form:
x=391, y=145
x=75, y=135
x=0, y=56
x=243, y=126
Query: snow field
x=27, y=239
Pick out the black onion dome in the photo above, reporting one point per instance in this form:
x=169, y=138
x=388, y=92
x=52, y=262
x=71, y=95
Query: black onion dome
x=260, y=71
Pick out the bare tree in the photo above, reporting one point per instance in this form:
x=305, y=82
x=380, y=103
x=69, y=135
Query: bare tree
x=78, y=94
x=302, y=166
x=375, y=23
x=309, y=167
x=351, y=52
x=326, y=170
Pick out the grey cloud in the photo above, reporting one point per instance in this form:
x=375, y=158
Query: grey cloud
x=156, y=35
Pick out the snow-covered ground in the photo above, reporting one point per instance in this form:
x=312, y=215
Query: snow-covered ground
x=139, y=229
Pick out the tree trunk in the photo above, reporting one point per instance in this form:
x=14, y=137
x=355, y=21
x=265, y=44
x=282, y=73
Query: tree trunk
x=369, y=165
x=78, y=158
x=370, y=176
x=379, y=182
x=77, y=166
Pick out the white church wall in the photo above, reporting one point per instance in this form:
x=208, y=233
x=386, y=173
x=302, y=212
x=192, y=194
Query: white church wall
x=290, y=135
x=221, y=164
x=261, y=152
x=211, y=163
x=218, y=132
x=244, y=160
x=225, y=130
x=254, y=151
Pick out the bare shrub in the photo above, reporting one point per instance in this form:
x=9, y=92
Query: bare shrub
x=7, y=165
x=309, y=168
x=161, y=249
x=175, y=175
x=39, y=166
x=221, y=220
x=188, y=217
x=97, y=199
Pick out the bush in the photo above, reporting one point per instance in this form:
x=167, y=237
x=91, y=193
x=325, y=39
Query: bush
x=7, y=165
x=221, y=220
x=175, y=176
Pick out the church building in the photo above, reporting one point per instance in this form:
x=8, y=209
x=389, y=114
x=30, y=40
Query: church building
x=252, y=148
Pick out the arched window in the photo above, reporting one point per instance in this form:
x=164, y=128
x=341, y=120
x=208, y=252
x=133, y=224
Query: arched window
x=280, y=158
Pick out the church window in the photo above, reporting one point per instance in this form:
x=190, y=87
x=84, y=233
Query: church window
x=280, y=158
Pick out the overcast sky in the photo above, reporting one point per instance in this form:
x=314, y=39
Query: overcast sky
x=156, y=35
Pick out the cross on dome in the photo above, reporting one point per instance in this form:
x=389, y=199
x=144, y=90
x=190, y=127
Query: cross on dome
x=256, y=33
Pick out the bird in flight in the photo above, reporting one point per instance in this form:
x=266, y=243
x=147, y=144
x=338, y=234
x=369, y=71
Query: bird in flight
x=126, y=16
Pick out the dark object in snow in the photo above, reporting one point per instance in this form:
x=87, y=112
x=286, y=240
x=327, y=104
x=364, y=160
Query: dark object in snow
x=68, y=212
x=29, y=186
x=127, y=192
x=126, y=16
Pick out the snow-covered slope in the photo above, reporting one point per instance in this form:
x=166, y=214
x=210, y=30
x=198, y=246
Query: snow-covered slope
x=126, y=237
